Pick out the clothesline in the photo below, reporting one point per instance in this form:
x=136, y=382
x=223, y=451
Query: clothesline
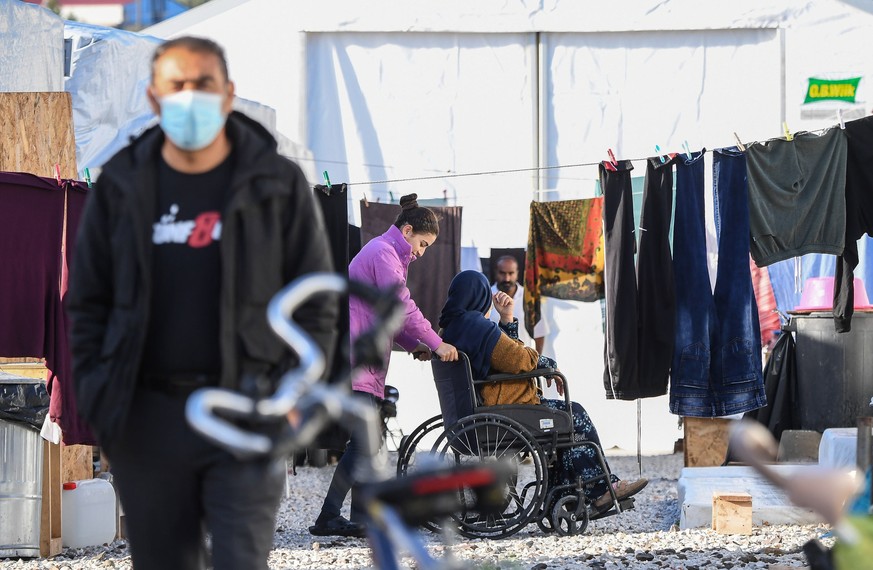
x=515, y=170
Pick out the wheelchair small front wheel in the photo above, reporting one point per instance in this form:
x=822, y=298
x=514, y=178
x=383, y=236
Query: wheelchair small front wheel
x=569, y=516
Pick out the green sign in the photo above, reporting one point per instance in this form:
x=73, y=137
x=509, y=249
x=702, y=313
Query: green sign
x=832, y=89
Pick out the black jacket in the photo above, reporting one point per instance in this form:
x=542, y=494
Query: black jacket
x=272, y=232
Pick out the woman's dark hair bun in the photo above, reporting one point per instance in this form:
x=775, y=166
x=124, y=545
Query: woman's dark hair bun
x=409, y=201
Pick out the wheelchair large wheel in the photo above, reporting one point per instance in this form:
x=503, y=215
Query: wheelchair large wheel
x=419, y=442
x=489, y=438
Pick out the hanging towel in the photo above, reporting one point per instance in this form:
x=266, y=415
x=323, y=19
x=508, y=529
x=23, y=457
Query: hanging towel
x=430, y=276
x=32, y=284
x=564, y=254
x=859, y=217
x=797, y=196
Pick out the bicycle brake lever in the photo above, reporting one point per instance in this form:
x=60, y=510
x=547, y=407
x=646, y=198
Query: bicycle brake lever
x=199, y=410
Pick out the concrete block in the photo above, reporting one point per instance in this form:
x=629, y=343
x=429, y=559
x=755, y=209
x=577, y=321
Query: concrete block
x=839, y=448
x=770, y=505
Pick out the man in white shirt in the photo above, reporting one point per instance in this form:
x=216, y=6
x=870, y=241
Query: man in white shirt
x=507, y=281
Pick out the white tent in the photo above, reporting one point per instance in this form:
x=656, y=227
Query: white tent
x=401, y=89
x=106, y=71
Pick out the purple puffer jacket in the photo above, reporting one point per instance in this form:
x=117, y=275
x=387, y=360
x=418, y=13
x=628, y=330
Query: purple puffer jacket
x=383, y=262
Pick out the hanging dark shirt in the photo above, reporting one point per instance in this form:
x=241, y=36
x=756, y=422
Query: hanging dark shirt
x=31, y=225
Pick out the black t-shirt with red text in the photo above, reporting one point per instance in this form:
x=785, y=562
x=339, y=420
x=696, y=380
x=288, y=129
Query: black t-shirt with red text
x=183, y=333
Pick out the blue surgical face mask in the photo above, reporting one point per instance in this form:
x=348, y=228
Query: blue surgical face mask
x=192, y=119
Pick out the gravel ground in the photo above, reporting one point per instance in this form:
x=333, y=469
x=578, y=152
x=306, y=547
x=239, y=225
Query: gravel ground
x=647, y=537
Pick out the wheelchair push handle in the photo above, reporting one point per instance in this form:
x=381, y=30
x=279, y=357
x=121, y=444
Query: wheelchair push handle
x=297, y=383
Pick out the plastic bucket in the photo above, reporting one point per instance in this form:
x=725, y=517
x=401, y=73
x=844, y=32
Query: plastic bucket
x=818, y=295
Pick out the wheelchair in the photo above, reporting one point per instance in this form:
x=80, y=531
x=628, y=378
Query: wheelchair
x=531, y=438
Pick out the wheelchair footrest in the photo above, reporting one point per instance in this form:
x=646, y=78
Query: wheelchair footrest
x=625, y=505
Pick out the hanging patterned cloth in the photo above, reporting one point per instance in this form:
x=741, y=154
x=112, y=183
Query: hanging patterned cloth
x=564, y=254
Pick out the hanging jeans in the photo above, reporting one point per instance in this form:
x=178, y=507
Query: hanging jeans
x=717, y=356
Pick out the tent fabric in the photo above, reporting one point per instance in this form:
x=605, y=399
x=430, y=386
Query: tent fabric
x=33, y=40
x=429, y=276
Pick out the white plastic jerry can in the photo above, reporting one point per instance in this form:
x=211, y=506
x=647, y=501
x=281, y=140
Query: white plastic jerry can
x=88, y=516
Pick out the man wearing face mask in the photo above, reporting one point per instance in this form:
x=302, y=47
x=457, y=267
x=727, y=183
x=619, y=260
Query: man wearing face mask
x=507, y=282
x=188, y=233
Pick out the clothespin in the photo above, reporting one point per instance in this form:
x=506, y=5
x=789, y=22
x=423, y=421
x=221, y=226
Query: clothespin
x=58, y=174
x=788, y=136
x=660, y=156
x=326, y=182
x=88, y=177
x=739, y=142
x=687, y=150
x=391, y=195
x=611, y=164
x=364, y=200
x=840, y=118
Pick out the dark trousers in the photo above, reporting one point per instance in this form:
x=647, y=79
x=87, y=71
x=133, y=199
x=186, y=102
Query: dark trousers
x=344, y=477
x=175, y=486
x=656, y=288
x=619, y=280
x=640, y=305
x=717, y=356
x=859, y=217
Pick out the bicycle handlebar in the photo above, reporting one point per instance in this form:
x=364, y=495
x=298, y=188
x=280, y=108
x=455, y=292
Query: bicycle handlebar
x=298, y=388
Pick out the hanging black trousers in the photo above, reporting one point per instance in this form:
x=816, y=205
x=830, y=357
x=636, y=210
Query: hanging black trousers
x=656, y=286
x=640, y=304
x=619, y=279
x=859, y=217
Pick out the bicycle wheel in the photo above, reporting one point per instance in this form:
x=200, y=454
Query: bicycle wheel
x=489, y=438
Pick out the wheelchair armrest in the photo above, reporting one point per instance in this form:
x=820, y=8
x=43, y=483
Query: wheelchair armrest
x=535, y=373
x=532, y=374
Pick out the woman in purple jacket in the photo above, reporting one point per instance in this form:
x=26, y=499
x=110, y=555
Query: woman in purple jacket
x=383, y=263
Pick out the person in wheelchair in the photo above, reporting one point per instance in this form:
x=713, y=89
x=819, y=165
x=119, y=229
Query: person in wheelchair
x=495, y=348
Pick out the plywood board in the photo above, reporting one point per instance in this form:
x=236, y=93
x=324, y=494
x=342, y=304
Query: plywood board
x=50, y=540
x=706, y=441
x=36, y=132
x=77, y=462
